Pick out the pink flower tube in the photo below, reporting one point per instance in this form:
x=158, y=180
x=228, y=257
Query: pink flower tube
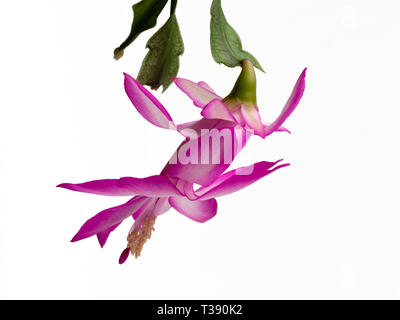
x=210, y=146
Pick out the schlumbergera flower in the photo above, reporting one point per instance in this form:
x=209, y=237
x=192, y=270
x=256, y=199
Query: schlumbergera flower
x=201, y=159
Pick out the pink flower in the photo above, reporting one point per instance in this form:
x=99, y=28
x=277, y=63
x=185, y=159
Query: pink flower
x=195, y=161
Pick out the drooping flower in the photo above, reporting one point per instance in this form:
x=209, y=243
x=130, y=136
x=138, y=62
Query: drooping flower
x=196, y=161
x=240, y=106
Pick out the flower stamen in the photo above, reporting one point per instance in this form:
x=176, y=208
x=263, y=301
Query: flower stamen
x=138, y=237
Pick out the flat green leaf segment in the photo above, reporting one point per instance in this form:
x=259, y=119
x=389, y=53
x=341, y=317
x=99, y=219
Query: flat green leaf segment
x=162, y=61
x=226, y=46
x=145, y=15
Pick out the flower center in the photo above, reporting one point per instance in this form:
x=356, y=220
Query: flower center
x=138, y=238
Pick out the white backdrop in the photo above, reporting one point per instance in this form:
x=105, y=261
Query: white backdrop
x=325, y=227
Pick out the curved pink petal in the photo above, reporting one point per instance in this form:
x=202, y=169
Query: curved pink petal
x=280, y=129
x=198, y=127
x=144, y=207
x=202, y=160
x=153, y=186
x=252, y=118
x=187, y=125
x=147, y=105
x=188, y=190
x=205, y=85
x=103, y=235
x=216, y=109
x=290, y=105
x=199, y=210
x=162, y=206
x=200, y=96
x=108, y=218
x=238, y=179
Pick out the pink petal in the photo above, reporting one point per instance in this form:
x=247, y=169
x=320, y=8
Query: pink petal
x=187, y=125
x=205, y=85
x=188, y=190
x=199, y=210
x=124, y=256
x=238, y=179
x=280, y=129
x=212, y=160
x=154, y=186
x=216, y=109
x=103, y=235
x=200, y=96
x=252, y=118
x=162, y=206
x=198, y=127
x=290, y=105
x=147, y=105
x=139, y=211
x=109, y=218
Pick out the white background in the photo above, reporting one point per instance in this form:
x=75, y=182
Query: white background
x=326, y=227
